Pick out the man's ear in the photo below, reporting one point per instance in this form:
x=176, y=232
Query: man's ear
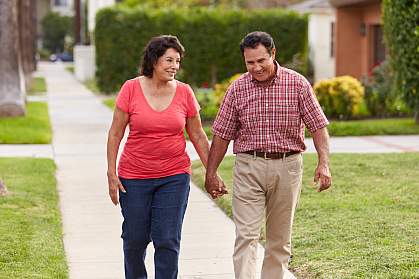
x=273, y=53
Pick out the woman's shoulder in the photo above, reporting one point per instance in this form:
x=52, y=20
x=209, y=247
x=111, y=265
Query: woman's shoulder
x=183, y=87
x=132, y=81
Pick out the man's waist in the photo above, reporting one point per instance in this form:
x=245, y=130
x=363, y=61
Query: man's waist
x=271, y=155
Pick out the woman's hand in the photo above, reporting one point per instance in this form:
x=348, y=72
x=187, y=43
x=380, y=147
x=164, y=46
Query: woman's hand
x=114, y=184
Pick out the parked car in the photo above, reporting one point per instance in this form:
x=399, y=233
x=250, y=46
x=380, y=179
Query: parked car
x=63, y=56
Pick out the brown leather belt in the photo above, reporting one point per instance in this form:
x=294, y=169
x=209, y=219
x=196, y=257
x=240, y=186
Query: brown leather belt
x=271, y=156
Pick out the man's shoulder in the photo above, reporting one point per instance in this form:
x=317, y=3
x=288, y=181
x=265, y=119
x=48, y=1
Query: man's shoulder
x=243, y=79
x=293, y=76
x=241, y=82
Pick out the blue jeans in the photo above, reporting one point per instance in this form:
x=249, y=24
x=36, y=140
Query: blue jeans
x=153, y=210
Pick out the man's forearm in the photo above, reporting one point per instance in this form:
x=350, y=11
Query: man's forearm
x=321, y=143
x=217, y=151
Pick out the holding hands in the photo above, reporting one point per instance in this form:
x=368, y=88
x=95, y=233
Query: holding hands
x=215, y=186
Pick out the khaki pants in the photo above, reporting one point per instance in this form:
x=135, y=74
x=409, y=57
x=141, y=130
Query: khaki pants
x=259, y=185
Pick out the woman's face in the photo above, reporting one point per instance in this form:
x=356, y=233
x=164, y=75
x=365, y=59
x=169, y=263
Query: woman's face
x=167, y=65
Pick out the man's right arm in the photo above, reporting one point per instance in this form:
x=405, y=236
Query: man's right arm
x=218, y=150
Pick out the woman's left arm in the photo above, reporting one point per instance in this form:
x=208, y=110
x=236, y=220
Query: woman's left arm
x=200, y=142
x=198, y=137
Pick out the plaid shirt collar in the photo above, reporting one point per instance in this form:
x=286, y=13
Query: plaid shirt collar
x=276, y=77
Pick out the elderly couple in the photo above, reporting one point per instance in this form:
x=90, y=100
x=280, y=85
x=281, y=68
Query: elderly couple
x=264, y=112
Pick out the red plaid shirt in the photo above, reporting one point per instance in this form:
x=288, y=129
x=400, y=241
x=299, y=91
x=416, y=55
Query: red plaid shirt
x=269, y=118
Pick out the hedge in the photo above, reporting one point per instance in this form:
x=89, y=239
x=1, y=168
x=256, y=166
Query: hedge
x=55, y=27
x=211, y=38
x=401, y=31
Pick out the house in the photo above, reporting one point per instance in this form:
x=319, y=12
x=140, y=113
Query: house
x=359, y=37
x=321, y=39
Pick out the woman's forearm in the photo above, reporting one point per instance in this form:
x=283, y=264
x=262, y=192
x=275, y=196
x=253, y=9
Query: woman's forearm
x=201, y=145
x=112, y=152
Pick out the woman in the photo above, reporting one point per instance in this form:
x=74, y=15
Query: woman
x=154, y=168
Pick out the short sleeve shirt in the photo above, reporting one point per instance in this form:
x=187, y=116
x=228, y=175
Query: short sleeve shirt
x=269, y=118
x=156, y=146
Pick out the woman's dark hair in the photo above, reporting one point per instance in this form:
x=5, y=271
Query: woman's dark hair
x=155, y=48
x=253, y=39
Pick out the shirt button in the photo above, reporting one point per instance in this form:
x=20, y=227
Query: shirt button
x=268, y=136
x=267, y=105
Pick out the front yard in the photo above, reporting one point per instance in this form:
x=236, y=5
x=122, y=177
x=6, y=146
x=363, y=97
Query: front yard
x=366, y=226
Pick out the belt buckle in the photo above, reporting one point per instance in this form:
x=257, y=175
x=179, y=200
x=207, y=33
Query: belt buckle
x=264, y=156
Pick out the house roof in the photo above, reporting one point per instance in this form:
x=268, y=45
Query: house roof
x=341, y=3
x=311, y=6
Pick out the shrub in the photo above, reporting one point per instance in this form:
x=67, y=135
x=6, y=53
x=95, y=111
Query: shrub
x=211, y=38
x=340, y=97
x=221, y=88
x=206, y=100
x=55, y=28
x=380, y=97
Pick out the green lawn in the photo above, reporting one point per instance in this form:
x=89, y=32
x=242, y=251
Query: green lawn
x=30, y=224
x=110, y=102
x=38, y=86
x=92, y=86
x=366, y=226
x=70, y=69
x=33, y=128
x=390, y=126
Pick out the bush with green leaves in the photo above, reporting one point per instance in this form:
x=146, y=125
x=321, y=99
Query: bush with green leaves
x=55, y=28
x=221, y=88
x=380, y=97
x=206, y=100
x=211, y=38
x=401, y=32
x=340, y=97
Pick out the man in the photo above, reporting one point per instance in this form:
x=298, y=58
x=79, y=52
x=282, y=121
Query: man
x=264, y=112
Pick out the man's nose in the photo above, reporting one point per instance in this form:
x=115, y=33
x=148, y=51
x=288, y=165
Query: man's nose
x=257, y=68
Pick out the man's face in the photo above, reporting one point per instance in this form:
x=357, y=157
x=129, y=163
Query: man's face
x=259, y=63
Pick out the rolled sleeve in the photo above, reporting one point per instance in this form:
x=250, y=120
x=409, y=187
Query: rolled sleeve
x=225, y=124
x=310, y=109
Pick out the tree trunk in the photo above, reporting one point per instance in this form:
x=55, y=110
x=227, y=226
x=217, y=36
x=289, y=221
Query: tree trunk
x=417, y=117
x=77, y=22
x=12, y=85
x=27, y=37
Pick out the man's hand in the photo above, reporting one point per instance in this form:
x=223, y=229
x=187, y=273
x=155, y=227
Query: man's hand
x=114, y=184
x=322, y=175
x=215, y=186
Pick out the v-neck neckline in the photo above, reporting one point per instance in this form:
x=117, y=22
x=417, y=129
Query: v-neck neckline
x=148, y=104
